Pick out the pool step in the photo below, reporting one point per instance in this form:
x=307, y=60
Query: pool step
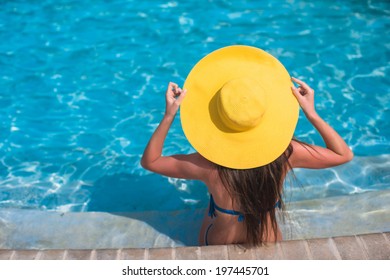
x=30, y=229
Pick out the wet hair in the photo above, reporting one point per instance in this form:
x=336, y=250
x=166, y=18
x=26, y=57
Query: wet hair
x=256, y=191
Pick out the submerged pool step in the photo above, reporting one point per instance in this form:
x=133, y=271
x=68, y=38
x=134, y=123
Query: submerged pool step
x=338, y=216
x=30, y=229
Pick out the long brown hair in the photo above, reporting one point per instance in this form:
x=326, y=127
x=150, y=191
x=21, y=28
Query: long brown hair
x=256, y=191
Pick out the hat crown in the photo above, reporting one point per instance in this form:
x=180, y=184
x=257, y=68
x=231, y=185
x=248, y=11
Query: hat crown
x=241, y=104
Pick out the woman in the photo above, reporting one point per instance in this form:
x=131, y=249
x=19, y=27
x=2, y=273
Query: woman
x=245, y=183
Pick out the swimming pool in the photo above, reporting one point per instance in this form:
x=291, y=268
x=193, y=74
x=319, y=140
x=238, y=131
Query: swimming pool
x=82, y=88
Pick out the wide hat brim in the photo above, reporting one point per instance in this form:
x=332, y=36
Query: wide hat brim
x=208, y=134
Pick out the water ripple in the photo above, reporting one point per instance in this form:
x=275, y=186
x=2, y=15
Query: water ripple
x=82, y=90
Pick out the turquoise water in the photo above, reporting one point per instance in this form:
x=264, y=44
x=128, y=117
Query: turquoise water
x=82, y=89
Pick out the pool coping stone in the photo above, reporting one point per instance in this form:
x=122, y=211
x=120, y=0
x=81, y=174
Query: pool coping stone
x=374, y=246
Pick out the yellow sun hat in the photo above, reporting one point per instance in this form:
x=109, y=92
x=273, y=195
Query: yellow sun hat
x=239, y=111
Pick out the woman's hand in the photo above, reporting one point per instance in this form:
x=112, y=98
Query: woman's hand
x=336, y=151
x=305, y=97
x=173, y=98
x=192, y=166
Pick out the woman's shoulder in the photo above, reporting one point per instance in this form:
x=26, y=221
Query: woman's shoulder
x=193, y=166
x=203, y=163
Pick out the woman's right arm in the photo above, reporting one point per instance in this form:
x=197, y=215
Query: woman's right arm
x=308, y=156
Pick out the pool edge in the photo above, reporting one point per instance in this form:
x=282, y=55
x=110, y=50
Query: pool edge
x=373, y=246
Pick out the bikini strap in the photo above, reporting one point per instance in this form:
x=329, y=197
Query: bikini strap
x=214, y=207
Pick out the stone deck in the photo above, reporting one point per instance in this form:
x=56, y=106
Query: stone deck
x=374, y=246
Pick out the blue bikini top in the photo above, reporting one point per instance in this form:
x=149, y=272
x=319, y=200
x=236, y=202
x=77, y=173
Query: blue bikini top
x=214, y=207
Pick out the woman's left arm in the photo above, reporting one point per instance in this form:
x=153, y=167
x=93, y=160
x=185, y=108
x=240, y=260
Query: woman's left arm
x=178, y=166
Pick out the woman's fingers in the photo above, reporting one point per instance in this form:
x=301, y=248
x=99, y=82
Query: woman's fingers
x=304, y=88
x=172, y=85
x=175, y=89
x=301, y=83
x=181, y=96
x=296, y=92
x=305, y=96
x=174, y=97
x=172, y=88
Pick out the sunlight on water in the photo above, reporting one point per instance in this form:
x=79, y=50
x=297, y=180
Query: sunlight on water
x=82, y=89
